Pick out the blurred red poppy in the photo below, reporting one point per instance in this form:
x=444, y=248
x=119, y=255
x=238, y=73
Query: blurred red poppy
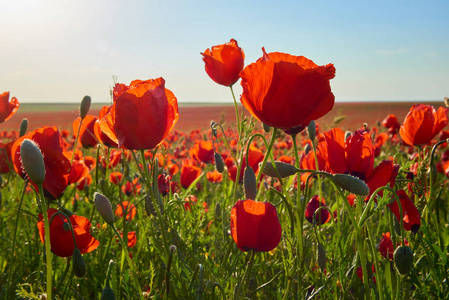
x=203, y=151
x=131, y=188
x=7, y=108
x=224, y=62
x=188, y=175
x=422, y=123
x=322, y=217
x=142, y=115
x=57, y=165
x=411, y=217
x=286, y=91
x=87, y=181
x=78, y=172
x=386, y=247
x=86, y=136
x=115, y=177
x=189, y=201
x=255, y=157
x=132, y=238
x=61, y=240
x=163, y=184
x=5, y=157
x=125, y=207
x=214, y=177
x=391, y=123
x=385, y=173
x=255, y=226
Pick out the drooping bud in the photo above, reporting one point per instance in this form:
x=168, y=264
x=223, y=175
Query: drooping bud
x=79, y=266
x=219, y=164
x=213, y=128
x=266, y=128
x=351, y=184
x=85, y=106
x=104, y=207
x=149, y=207
x=249, y=183
x=23, y=127
x=66, y=226
x=284, y=169
x=311, y=129
x=32, y=161
x=218, y=210
x=107, y=293
x=403, y=259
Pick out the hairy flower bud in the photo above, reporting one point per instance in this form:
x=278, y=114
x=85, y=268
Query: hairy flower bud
x=219, y=164
x=103, y=206
x=107, y=293
x=249, y=183
x=23, y=127
x=351, y=184
x=403, y=259
x=79, y=266
x=85, y=106
x=311, y=129
x=32, y=161
x=284, y=169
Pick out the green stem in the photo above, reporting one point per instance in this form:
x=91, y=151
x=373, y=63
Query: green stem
x=270, y=146
x=236, y=111
x=48, y=253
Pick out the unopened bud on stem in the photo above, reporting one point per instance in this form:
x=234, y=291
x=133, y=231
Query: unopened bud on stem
x=103, y=206
x=32, y=161
x=85, y=106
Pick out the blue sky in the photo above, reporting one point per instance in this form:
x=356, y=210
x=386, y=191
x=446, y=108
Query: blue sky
x=59, y=51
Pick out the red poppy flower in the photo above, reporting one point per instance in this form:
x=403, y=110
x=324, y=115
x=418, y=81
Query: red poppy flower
x=7, y=108
x=189, y=201
x=255, y=157
x=360, y=272
x=203, y=151
x=5, y=157
x=353, y=156
x=214, y=177
x=87, y=181
x=131, y=188
x=286, y=91
x=386, y=247
x=255, y=226
x=411, y=217
x=61, y=241
x=163, y=184
x=115, y=177
x=322, y=217
x=391, y=123
x=124, y=207
x=142, y=115
x=224, y=62
x=188, y=175
x=422, y=123
x=86, y=136
x=57, y=165
x=78, y=172
x=132, y=238
x=385, y=173
x=103, y=132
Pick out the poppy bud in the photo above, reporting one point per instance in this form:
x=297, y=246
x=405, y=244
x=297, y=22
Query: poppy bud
x=266, y=128
x=311, y=129
x=284, y=169
x=321, y=257
x=85, y=106
x=107, y=293
x=403, y=259
x=32, y=161
x=23, y=127
x=307, y=149
x=217, y=210
x=103, y=206
x=351, y=184
x=68, y=212
x=66, y=226
x=79, y=266
x=219, y=164
x=249, y=183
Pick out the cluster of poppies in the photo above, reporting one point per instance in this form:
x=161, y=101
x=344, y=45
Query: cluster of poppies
x=280, y=90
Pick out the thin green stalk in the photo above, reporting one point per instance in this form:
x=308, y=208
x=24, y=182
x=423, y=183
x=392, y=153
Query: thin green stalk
x=270, y=146
x=236, y=112
x=16, y=225
x=48, y=253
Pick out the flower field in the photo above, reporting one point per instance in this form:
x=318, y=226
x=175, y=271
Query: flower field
x=285, y=197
